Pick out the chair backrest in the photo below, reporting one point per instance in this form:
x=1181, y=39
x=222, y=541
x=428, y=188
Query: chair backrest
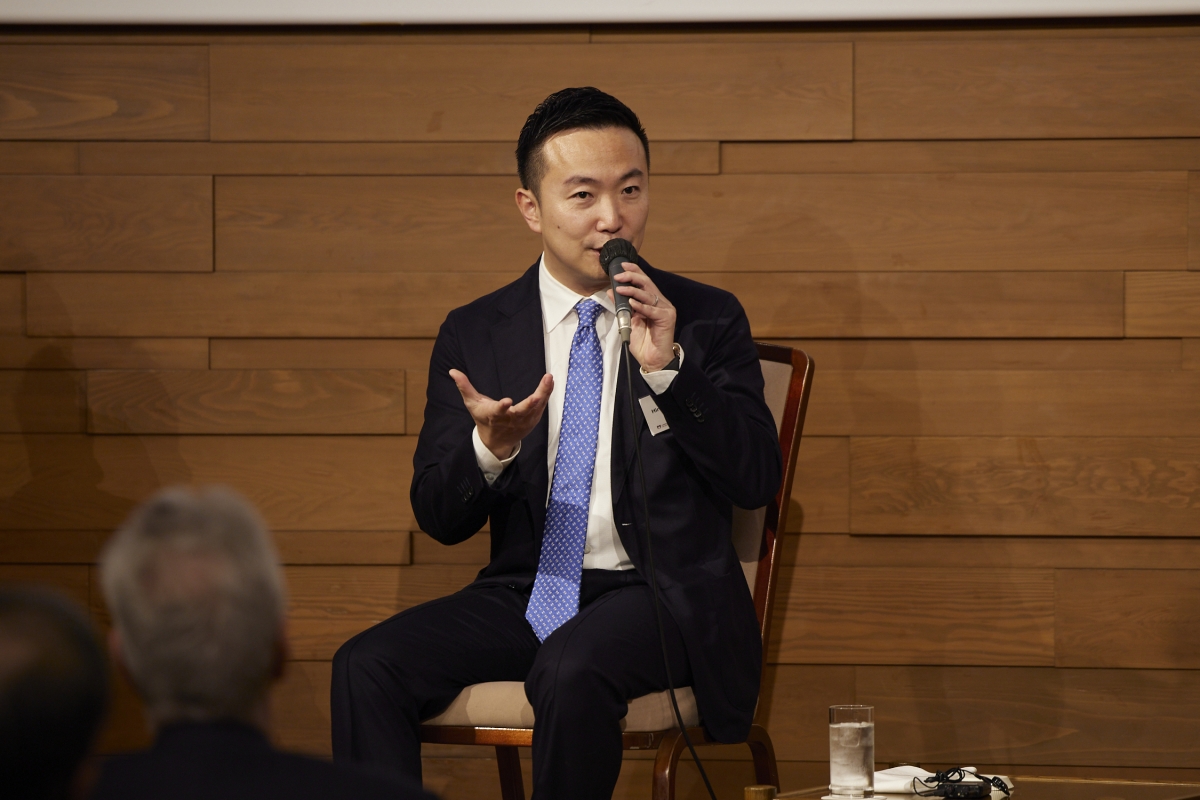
x=758, y=534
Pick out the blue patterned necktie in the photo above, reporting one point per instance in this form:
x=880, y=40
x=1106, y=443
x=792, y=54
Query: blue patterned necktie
x=555, y=596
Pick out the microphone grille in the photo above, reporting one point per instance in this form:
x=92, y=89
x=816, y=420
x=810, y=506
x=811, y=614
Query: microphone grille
x=616, y=251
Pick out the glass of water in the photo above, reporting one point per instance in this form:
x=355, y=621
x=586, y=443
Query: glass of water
x=851, y=751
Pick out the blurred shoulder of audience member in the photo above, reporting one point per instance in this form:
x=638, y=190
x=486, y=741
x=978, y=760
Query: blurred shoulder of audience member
x=53, y=694
x=198, y=605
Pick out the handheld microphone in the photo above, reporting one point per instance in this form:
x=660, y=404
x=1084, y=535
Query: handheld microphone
x=612, y=255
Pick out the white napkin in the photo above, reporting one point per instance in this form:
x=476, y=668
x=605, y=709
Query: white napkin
x=899, y=780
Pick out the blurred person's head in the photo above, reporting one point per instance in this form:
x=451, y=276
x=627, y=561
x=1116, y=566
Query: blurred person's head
x=53, y=694
x=197, y=599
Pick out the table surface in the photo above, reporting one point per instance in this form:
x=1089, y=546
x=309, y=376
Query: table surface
x=1034, y=788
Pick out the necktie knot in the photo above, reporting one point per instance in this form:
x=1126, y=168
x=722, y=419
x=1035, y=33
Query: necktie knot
x=588, y=310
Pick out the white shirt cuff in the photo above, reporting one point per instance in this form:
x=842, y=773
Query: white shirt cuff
x=486, y=459
x=661, y=380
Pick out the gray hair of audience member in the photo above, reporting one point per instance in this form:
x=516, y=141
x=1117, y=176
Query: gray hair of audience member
x=53, y=692
x=197, y=597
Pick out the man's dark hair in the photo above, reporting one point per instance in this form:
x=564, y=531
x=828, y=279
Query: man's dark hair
x=570, y=109
x=53, y=692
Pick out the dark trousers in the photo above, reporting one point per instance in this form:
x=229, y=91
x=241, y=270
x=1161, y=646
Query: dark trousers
x=579, y=681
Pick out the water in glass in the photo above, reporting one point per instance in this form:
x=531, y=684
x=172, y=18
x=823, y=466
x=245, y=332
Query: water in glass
x=852, y=759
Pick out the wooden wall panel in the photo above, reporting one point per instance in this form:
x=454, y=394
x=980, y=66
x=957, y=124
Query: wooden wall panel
x=300, y=708
x=409, y=224
x=38, y=158
x=1027, y=89
x=357, y=158
x=417, y=386
x=76, y=482
x=484, y=92
x=72, y=581
x=821, y=491
x=106, y=224
x=406, y=354
x=12, y=304
x=1005, y=403
x=246, y=305
x=41, y=401
x=246, y=401
x=1191, y=354
x=868, y=615
x=89, y=91
x=1127, y=618
x=21, y=352
x=475, y=551
x=1194, y=220
x=1025, y=486
x=1033, y=716
x=957, y=222
x=1162, y=304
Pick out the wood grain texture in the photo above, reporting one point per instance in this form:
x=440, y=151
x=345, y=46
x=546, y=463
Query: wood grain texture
x=1005, y=403
x=103, y=92
x=72, y=581
x=251, y=304
x=355, y=158
x=246, y=401
x=868, y=615
x=328, y=605
x=1025, y=486
x=41, y=401
x=1191, y=354
x=12, y=304
x=820, y=493
x=300, y=720
x=954, y=222
x=51, y=547
x=1143, y=718
x=994, y=354
x=38, y=158
x=960, y=29
x=1127, y=618
x=75, y=482
x=1162, y=304
x=484, y=92
x=405, y=354
x=22, y=352
x=416, y=386
x=1044, y=89
x=918, y=552
x=925, y=305
x=369, y=224
x=1039, y=155
x=1194, y=220
x=475, y=552
x=106, y=224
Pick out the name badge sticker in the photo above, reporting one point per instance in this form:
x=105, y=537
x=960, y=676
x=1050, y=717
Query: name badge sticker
x=654, y=415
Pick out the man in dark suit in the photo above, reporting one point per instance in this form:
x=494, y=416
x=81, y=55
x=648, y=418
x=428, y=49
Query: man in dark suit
x=198, y=602
x=564, y=604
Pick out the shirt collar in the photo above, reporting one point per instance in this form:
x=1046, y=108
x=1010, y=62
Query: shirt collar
x=558, y=301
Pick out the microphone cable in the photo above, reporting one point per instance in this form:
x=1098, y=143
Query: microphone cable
x=662, y=636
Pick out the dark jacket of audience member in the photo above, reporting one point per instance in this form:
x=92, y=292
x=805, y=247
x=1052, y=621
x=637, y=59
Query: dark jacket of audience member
x=53, y=695
x=198, y=602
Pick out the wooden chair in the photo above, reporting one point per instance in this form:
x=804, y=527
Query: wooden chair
x=498, y=714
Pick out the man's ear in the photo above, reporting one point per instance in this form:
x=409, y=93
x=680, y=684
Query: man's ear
x=527, y=204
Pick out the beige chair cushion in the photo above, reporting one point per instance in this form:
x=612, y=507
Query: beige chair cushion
x=502, y=704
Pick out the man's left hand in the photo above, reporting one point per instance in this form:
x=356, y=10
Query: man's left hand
x=653, y=322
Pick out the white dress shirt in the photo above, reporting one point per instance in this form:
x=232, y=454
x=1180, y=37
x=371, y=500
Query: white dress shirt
x=603, y=548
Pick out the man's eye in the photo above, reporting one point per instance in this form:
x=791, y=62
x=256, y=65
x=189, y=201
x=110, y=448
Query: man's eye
x=630, y=189
x=583, y=195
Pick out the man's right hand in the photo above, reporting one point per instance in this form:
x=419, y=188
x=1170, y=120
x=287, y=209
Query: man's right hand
x=502, y=425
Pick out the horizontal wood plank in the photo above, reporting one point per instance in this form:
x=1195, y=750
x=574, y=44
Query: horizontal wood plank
x=1194, y=220
x=820, y=492
x=969, y=715
x=475, y=551
x=354, y=158
x=405, y=354
x=22, y=352
x=865, y=615
x=1127, y=618
x=12, y=305
x=38, y=158
x=957, y=222
x=328, y=605
x=347, y=483
x=484, y=92
x=1005, y=403
x=85, y=223
x=1162, y=304
x=71, y=581
x=42, y=401
x=300, y=718
x=1191, y=353
x=1027, y=89
x=1039, y=155
x=1025, y=486
x=246, y=401
x=88, y=91
x=416, y=386
x=994, y=354
x=251, y=304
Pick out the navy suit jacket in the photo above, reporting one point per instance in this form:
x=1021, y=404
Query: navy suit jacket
x=721, y=450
